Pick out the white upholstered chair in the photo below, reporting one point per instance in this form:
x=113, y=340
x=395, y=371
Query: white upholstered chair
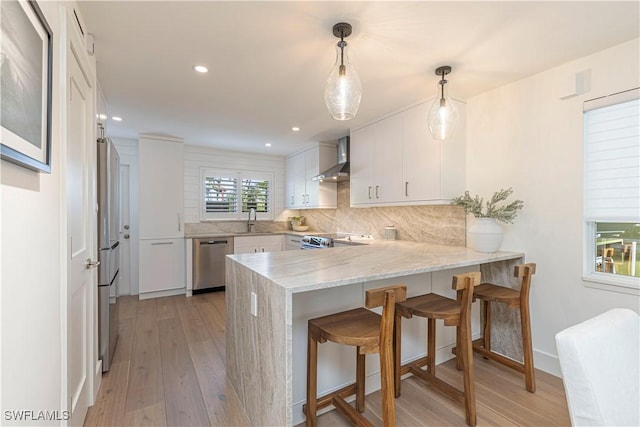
x=600, y=361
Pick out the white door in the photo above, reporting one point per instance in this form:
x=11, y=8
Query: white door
x=125, y=232
x=81, y=279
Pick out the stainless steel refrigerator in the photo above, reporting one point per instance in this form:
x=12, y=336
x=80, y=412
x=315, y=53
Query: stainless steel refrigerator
x=108, y=249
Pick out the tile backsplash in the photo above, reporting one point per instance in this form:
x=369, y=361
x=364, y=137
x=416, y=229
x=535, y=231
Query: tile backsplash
x=443, y=224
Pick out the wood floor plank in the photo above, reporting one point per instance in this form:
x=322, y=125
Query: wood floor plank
x=108, y=410
x=223, y=404
x=194, y=327
x=145, y=387
x=214, y=321
x=167, y=308
x=152, y=416
x=184, y=405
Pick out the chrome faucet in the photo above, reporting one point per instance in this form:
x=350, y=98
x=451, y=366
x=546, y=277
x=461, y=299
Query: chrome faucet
x=255, y=218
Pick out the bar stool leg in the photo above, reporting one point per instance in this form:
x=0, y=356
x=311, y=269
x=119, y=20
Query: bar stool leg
x=397, y=353
x=466, y=353
x=387, y=389
x=431, y=345
x=486, y=330
x=312, y=380
x=527, y=348
x=360, y=368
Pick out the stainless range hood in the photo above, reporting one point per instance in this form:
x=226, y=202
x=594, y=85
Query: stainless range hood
x=339, y=172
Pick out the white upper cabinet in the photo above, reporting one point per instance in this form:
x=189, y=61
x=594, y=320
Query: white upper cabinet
x=161, y=187
x=301, y=191
x=395, y=161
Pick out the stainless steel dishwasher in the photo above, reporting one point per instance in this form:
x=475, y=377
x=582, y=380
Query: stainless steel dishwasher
x=208, y=263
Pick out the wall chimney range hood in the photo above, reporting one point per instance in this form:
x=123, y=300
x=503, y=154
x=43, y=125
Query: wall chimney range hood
x=339, y=172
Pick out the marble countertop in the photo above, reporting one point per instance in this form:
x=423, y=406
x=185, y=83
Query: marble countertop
x=301, y=271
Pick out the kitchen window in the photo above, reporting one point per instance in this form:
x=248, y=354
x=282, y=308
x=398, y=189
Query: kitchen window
x=231, y=194
x=612, y=191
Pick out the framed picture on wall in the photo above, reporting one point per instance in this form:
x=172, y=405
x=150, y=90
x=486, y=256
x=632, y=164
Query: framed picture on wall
x=25, y=77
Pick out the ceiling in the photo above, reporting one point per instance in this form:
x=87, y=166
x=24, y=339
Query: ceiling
x=268, y=61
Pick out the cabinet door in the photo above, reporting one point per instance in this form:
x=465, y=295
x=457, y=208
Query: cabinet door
x=312, y=168
x=161, y=185
x=162, y=265
x=289, y=188
x=421, y=157
x=299, y=180
x=254, y=244
x=387, y=160
x=361, y=164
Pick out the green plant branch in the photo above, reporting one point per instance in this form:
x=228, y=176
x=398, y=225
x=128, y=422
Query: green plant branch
x=474, y=205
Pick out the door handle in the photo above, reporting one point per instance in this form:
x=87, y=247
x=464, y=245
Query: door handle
x=91, y=264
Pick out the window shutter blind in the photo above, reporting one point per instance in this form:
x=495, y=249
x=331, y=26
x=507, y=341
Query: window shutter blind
x=255, y=194
x=612, y=158
x=220, y=194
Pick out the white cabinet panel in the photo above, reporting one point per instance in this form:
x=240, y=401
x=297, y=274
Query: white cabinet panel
x=301, y=191
x=161, y=188
x=255, y=244
x=395, y=161
x=162, y=265
x=292, y=242
x=361, y=166
x=421, y=154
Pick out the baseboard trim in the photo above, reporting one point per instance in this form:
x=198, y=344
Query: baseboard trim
x=547, y=362
x=160, y=294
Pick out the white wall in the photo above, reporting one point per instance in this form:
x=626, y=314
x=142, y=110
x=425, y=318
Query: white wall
x=128, y=151
x=523, y=135
x=196, y=157
x=30, y=265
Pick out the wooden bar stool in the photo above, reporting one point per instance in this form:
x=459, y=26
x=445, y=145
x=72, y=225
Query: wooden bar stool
x=489, y=293
x=370, y=333
x=454, y=313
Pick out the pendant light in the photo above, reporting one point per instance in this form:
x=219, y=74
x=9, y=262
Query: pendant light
x=344, y=90
x=443, y=115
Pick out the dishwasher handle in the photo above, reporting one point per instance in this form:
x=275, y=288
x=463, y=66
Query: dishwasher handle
x=214, y=242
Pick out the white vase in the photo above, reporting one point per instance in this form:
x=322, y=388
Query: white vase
x=485, y=235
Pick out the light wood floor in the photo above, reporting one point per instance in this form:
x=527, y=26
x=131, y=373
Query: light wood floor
x=169, y=370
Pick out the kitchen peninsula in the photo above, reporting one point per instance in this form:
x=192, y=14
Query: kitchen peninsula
x=270, y=297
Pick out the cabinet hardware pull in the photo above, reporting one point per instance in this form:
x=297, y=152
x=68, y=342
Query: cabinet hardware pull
x=406, y=188
x=377, y=187
x=262, y=249
x=369, y=192
x=161, y=243
x=179, y=222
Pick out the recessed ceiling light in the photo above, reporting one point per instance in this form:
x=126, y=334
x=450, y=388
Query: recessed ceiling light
x=116, y=118
x=268, y=144
x=200, y=68
x=295, y=128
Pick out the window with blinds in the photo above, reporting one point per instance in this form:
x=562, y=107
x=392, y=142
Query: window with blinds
x=612, y=185
x=220, y=194
x=231, y=194
x=255, y=194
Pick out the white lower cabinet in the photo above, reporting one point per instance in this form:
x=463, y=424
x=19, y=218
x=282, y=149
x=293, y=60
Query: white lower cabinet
x=292, y=242
x=255, y=244
x=162, y=266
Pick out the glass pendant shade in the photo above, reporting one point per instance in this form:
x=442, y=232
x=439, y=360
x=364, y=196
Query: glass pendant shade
x=343, y=91
x=443, y=119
